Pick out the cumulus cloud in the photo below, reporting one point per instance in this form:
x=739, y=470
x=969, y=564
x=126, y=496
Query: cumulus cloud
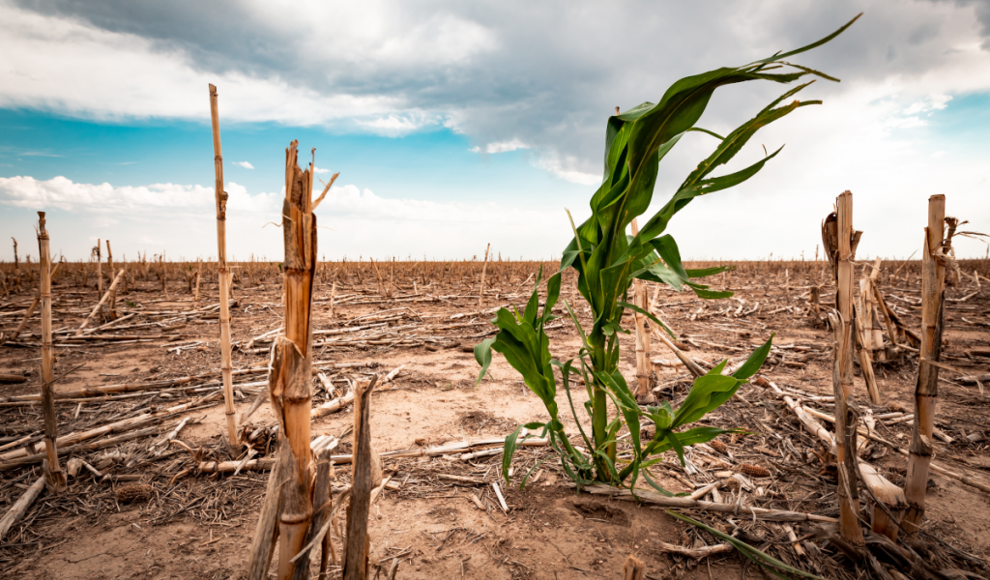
x=244, y=164
x=565, y=167
x=500, y=147
x=104, y=198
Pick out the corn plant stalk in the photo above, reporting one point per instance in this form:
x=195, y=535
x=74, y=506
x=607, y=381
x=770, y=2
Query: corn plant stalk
x=53, y=473
x=364, y=478
x=484, y=267
x=113, y=293
x=290, y=379
x=844, y=454
x=99, y=266
x=223, y=275
x=844, y=284
x=842, y=377
x=266, y=530
x=926, y=391
x=199, y=276
x=642, y=334
x=99, y=305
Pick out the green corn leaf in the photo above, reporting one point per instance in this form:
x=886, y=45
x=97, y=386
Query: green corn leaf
x=705, y=272
x=707, y=132
x=717, y=369
x=508, y=450
x=649, y=480
x=667, y=248
x=610, y=465
x=627, y=405
x=707, y=394
x=755, y=360
x=687, y=438
x=710, y=294
x=483, y=354
x=565, y=372
x=653, y=318
x=675, y=443
x=577, y=324
x=807, y=47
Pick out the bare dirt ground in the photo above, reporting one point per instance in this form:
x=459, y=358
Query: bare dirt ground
x=198, y=525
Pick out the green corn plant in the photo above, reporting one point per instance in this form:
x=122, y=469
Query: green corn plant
x=607, y=260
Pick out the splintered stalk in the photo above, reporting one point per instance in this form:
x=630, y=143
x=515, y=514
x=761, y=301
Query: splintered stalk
x=926, y=391
x=224, y=275
x=113, y=293
x=842, y=377
x=290, y=379
x=53, y=473
x=99, y=266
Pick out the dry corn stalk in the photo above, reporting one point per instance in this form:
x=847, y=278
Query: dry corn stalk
x=926, y=391
x=643, y=365
x=53, y=473
x=842, y=377
x=223, y=274
x=290, y=379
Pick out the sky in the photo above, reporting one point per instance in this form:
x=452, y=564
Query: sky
x=455, y=125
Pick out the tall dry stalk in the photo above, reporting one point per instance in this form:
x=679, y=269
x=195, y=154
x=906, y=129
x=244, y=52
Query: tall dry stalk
x=199, y=277
x=53, y=472
x=17, y=261
x=364, y=479
x=291, y=375
x=113, y=293
x=643, y=394
x=926, y=391
x=224, y=276
x=99, y=266
x=842, y=376
x=484, y=267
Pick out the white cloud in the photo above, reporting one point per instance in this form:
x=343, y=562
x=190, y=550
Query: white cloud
x=244, y=164
x=500, y=147
x=63, y=64
x=62, y=193
x=564, y=167
x=320, y=170
x=444, y=39
x=929, y=104
x=905, y=122
x=398, y=125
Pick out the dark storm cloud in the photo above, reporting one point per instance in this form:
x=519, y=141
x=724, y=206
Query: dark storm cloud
x=546, y=73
